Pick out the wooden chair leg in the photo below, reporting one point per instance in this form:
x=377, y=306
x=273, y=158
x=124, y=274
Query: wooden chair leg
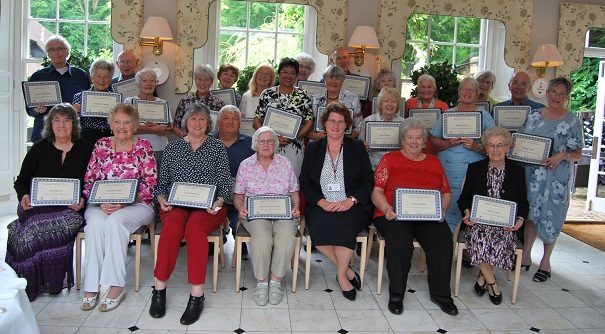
x=295, y=259
x=519, y=253
x=381, y=244
x=137, y=263
x=362, y=260
x=422, y=264
x=151, y=230
x=216, y=244
x=79, y=238
x=461, y=247
x=221, y=247
x=308, y=262
x=238, y=263
x=371, y=233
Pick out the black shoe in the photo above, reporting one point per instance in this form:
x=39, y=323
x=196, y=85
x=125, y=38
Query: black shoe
x=466, y=264
x=480, y=289
x=525, y=266
x=193, y=310
x=157, y=309
x=396, y=303
x=358, y=249
x=496, y=299
x=350, y=295
x=446, y=304
x=355, y=281
x=244, y=249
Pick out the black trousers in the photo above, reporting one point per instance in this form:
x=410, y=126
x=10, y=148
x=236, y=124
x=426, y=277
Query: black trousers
x=436, y=241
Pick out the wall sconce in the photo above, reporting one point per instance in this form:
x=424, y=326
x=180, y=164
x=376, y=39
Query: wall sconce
x=363, y=37
x=547, y=55
x=156, y=28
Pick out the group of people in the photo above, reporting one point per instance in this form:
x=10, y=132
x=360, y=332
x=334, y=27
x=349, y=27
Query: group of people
x=334, y=180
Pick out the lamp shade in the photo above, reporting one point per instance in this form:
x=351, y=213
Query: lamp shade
x=156, y=26
x=364, y=37
x=547, y=55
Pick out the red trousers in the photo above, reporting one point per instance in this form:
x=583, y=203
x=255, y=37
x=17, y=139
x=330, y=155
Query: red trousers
x=194, y=225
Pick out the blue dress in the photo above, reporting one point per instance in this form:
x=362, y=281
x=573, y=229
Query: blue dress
x=548, y=189
x=455, y=160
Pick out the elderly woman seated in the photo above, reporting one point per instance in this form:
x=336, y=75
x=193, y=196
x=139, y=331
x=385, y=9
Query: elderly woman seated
x=267, y=173
x=411, y=168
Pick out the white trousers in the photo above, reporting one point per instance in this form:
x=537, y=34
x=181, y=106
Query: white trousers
x=106, y=238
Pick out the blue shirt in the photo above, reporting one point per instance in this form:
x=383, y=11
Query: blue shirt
x=71, y=82
x=526, y=102
x=240, y=150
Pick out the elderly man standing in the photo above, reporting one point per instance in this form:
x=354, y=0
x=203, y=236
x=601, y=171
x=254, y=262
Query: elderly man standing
x=340, y=58
x=519, y=86
x=127, y=64
x=71, y=79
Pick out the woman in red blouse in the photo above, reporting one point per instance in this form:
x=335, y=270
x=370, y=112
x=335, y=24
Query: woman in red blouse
x=411, y=168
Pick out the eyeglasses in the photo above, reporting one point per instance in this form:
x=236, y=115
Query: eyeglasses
x=127, y=62
x=57, y=49
x=290, y=73
x=61, y=121
x=305, y=67
x=520, y=84
x=496, y=146
x=266, y=142
x=468, y=90
x=561, y=95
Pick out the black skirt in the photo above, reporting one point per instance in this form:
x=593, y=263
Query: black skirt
x=336, y=228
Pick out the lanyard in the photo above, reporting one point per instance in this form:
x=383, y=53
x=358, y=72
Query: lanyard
x=335, y=165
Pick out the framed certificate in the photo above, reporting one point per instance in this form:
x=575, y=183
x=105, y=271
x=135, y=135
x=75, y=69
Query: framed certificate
x=484, y=105
x=383, y=135
x=319, y=126
x=192, y=195
x=214, y=118
x=493, y=211
x=312, y=87
x=47, y=191
x=117, y=191
x=418, y=204
x=428, y=117
x=511, y=117
x=98, y=104
x=284, y=123
x=375, y=106
x=461, y=124
x=47, y=93
x=357, y=85
x=152, y=111
x=529, y=148
x=245, y=126
x=269, y=207
x=128, y=88
x=226, y=95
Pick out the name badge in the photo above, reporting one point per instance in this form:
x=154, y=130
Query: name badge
x=333, y=187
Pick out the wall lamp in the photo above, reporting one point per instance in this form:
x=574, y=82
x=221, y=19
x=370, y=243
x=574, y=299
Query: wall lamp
x=364, y=37
x=547, y=55
x=157, y=29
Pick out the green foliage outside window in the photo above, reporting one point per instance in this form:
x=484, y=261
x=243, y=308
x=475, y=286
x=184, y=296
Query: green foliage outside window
x=584, y=79
x=446, y=78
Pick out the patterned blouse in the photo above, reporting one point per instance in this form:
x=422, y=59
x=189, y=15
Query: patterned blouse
x=97, y=123
x=213, y=103
x=495, y=179
x=253, y=180
x=347, y=98
x=333, y=173
x=107, y=164
x=208, y=164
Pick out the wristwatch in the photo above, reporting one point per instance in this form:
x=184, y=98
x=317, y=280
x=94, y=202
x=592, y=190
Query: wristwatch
x=353, y=199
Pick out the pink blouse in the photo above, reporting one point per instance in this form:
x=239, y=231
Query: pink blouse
x=107, y=164
x=279, y=179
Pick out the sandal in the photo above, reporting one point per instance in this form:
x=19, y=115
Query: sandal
x=108, y=304
x=89, y=303
x=493, y=297
x=480, y=289
x=541, y=276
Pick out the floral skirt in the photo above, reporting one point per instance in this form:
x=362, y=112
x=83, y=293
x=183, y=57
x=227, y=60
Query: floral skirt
x=490, y=244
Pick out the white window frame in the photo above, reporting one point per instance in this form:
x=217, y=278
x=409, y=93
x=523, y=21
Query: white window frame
x=592, y=52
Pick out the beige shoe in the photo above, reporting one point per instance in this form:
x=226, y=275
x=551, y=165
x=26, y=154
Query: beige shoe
x=276, y=292
x=261, y=294
x=108, y=304
x=88, y=303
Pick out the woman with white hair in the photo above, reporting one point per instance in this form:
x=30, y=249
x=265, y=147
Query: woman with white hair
x=426, y=88
x=267, y=173
x=306, y=66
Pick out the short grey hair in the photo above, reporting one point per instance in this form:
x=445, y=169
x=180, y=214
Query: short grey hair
x=427, y=77
x=413, y=123
x=260, y=131
x=145, y=72
x=306, y=58
x=495, y=131
x=58, y=38
x=193, y=109
x=229, y=108
x=388, y=92
x=334, y=71
x=385, y=72
x=472, y=80
x=66, y=110
x=204, y=71
x=487, y=74
x=102, y=64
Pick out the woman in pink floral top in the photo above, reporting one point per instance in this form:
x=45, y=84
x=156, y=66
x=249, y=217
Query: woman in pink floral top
x=108, y=226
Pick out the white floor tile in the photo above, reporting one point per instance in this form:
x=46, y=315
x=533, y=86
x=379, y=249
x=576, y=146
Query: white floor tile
x=544, y=318
x=583, y=318
x=314, y=320
x=500, y=319
x=368, y=320
x=559, y=299
x=264, y=319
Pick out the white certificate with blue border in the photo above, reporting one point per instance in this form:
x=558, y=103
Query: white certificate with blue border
x=128, y=88
x=226, y=95
x=383, y=135
x=357, y=85
x=152, y=111
x=269, y=207
x=117, y=191
x=47, y=93
x=375, y=106
x=511, y=117
x=214, y=118
x=98, y=104
x=48, y=191
x=529, y=148
x=484, y=105
x=493, y=211
x=282, y=122
x=319, y=127
x=246, y=126
x=428, y=117
x=466, y=124
x=418, y=204
x=194, y=195
x=312, y=87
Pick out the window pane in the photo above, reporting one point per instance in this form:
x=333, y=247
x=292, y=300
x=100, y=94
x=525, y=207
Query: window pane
x=467, y=60
x=74, y=33
x=262, y=16
x=43, y=9
x=289, y=45
x=442, y=28
x=100, y=42
x=441, y=53
x=233, y=14
x=38, y=33
x=99, y=10
x=232, y=48
x=71, y=9
x=291, y=18
x=414, y=56
x=417, y=27
x=261, y=48
x=596, y=38
x=469, y=30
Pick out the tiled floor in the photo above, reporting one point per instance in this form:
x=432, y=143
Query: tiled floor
x=573, y=301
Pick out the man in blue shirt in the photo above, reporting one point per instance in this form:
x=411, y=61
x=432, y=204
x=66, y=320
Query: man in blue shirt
x=71, y=79
x=127, y=64
x=519, y=86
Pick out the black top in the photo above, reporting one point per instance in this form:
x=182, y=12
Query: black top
x=358, y=175
x=44, y=160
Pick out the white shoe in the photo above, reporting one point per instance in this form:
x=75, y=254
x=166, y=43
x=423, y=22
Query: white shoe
x=108, y=304
x=261, y=294
x=276, y=292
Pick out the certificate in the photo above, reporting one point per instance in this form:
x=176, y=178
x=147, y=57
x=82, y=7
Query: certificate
x=511, y=117
x=269, y=207
x=418, y=204
x=493, y=211
x=375, y=106
x=226, y=95
x=529, y=148
x=117, y=191
x=319, y=127
x=428, y=117
x=484, y=105
x=193, y=195
x=357, y=85
x=46, y=191
x=152, y=111
x=461, y=124
x=128, y=88
x=47, y=93
x=245, y=126
x=284, y=123
x=98, y=104
x=214, y=118
x=312, y=87
x=383, y=135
